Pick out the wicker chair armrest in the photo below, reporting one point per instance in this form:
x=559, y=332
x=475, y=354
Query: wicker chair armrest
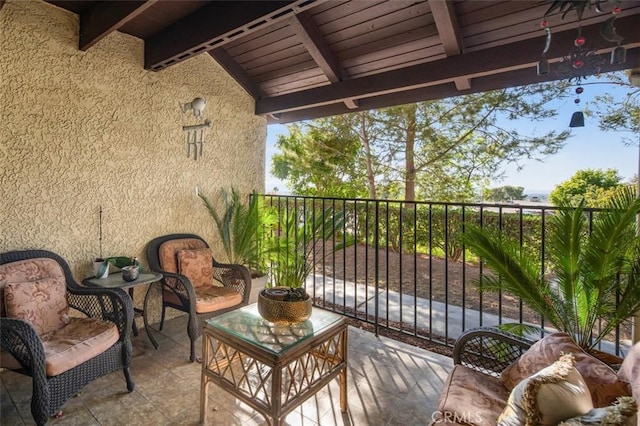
x=109, y=304
x=181, y=285
x=234, y=276
x=20, y=339
x=489, y=350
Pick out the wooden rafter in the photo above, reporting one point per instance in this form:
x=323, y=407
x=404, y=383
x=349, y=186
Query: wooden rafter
x=481, y=84
x=237, y=72
x=319, y=50
x=496, y=60
x=106, y=17
x=444, y=15
x=213, y=26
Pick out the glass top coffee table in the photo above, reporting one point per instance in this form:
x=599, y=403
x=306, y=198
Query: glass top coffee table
x=273, y=368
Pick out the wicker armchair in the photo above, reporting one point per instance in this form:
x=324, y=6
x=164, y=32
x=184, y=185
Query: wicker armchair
x=59, y=369
x=189, y=280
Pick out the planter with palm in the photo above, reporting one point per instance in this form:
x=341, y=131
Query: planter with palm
x=299, y=239
x=243, y=228
x=589, y=270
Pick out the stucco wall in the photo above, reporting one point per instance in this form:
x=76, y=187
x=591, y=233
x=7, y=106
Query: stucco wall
x=80, y=130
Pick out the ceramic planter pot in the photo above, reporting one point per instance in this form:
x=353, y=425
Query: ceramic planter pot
x=97, y=264
x=273, y=308
x=130, y=273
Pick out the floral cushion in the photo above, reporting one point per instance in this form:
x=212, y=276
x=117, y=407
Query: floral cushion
x=168, y=252
x=27, y=270
x=471, y=398
x=630, y=372
x=42, y=303
x=551, y=395
x=620, y=413
x=197, y=265
x=604, y=384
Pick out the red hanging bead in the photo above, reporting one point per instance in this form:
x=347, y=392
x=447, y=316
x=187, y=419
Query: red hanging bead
x=544, y=24
x=577, y=101
x=579, y=90
x=578, y=63
x=616, y=10
x=579, y=41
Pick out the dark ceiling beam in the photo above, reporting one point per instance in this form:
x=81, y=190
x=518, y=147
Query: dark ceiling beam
x=237, y=72
x=445, y=18
x=213, y=26
x=500, y=59
x=106, y=17
x=504, y=80
x=319, y=50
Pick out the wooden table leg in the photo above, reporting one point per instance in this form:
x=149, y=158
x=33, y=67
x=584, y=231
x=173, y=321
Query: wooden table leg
x=343, y=374
x=204, y=381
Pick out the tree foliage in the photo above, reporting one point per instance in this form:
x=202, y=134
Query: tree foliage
x=505, y=193
x=594, y=186
x=443, y=149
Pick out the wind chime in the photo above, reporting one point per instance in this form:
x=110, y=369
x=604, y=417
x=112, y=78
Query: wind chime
x=195, y=133
x=581, y=61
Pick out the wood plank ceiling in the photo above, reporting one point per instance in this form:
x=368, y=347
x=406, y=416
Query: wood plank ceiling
x=303, y=59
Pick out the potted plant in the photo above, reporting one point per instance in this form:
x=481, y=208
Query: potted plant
x=291, y=252
x=588, y=269
x=130, y=267
x=243, y=228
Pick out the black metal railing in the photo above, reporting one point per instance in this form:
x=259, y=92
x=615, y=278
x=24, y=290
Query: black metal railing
x=408, y=269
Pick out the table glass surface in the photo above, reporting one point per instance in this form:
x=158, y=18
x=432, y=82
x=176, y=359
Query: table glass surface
x=247, y=324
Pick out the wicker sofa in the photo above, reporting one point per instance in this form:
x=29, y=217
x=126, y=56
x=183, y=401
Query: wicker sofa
x=489, y=363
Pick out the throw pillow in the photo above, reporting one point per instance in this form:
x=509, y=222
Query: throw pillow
x=551, y=395
x=197, y=265
x=620, y=413
x=42, y=303
x=604, y=384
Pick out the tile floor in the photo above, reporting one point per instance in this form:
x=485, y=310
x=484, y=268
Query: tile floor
x=389, y=383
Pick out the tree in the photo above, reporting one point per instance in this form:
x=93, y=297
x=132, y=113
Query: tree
x=594, y=186
x=505, y=193
x=443, y=149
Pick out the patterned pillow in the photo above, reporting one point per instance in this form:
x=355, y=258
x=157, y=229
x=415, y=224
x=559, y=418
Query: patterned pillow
x=551, y=395
x=604, y=384
x=42, y=303
x=620, y=413
x=197, y=265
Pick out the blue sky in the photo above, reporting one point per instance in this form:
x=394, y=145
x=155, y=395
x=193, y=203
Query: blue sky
x=587, y=148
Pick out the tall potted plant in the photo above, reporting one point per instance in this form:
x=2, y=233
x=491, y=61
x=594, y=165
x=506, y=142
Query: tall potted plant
x=298, y=239
x=587, y=269
x=243, y=228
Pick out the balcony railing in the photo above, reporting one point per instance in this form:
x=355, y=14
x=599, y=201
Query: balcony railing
x=408, y=270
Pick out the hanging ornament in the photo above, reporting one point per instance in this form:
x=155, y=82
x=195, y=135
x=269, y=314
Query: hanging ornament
x=577, y=119
x=543, y=63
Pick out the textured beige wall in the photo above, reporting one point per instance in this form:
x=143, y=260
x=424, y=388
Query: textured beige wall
x=80, y=130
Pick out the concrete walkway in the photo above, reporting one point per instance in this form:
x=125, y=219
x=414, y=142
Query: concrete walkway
x=444, y=320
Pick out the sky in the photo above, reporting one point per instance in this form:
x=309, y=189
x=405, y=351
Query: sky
x=587, y=148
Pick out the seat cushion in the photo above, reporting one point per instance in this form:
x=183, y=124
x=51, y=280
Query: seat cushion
x=212, y=299
x=553, y=394
x=42, y=303
x=197, y=265
x=168, y=252
x=604, y=384
x=27, y=270
x=471, y=398
x=209, y=299
x=80, y=340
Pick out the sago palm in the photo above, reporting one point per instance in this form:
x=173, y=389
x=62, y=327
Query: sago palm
x=587, y=269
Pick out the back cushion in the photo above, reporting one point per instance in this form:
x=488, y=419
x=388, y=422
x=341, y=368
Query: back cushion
x=630, y=372
x=42, y=303
x=168, y=252
x=27, y=270
x=197, y=265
